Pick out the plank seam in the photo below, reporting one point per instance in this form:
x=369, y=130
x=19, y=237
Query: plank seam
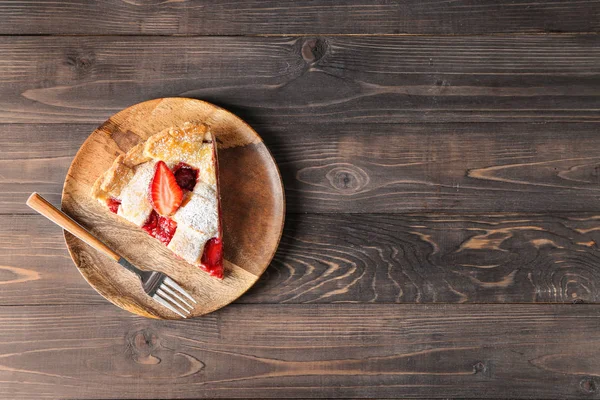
x=285, y=35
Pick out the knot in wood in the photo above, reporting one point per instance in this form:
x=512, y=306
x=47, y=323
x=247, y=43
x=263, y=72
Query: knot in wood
x=479, y=368
x=80, y=62
x=141, y=345
x=314, y=49
x=588, y=385
x=347, y=178
x=143, y=341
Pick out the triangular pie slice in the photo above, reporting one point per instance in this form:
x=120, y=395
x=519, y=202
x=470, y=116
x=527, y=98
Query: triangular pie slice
x=169, y=187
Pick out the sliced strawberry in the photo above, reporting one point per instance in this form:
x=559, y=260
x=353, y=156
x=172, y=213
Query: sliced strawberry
x=165, y=192
x=151, y=224
x=212, y=258
x=113, y=204
x=165, y=230
x=162, y=228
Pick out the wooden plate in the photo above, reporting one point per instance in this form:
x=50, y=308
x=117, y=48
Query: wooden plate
x=252, y=201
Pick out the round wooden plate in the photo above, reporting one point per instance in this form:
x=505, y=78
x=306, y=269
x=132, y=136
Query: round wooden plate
x=252, y=200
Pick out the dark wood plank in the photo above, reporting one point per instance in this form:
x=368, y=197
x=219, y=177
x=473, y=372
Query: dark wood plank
x=435, y=258
x=454, y=167
x=520, y=258
x=242, y=17
x=36, y=158
x=517, y=351
x=294, y=80
x=35, y=267
x=359, y=168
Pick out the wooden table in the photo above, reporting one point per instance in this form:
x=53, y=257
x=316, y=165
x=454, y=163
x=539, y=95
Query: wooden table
x=442, y=165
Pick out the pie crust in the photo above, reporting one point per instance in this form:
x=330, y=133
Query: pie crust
x=125, y=186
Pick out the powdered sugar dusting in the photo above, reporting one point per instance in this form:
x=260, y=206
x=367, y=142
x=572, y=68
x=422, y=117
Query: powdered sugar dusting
x=205, y=190
x=188, y=145
x=198, y=217
x=135, y=202
x=206, y=166
x=188, y=244
x=200, y=212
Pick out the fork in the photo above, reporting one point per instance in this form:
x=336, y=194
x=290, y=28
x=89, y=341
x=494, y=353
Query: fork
x=157, y=285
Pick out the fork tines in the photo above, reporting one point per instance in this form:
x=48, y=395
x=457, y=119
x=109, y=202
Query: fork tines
x=174, y=297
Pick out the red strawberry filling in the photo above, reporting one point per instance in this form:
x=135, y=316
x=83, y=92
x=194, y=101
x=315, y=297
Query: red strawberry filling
x=113, y=204
x=162, y=228
x=185, y=176
x=166, y=195
x=212, y=258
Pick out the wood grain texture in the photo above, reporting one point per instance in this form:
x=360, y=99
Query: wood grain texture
x=242, y=17
x=490, y=135
x=34, y=263
x=517, y=258
x=457, y=168
x=303, y=351
x=36, y=158
x=296, y=80
x=435, y=259
x=252, y=206
x=358, y=168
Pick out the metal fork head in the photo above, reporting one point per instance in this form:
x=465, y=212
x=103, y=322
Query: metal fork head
x=163, y=289
x=169, y=294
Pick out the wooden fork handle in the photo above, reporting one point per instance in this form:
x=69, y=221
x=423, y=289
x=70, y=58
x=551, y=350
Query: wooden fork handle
x=42, y=206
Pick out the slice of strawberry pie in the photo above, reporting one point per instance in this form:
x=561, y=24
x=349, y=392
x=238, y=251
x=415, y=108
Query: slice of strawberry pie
x=169, y=187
